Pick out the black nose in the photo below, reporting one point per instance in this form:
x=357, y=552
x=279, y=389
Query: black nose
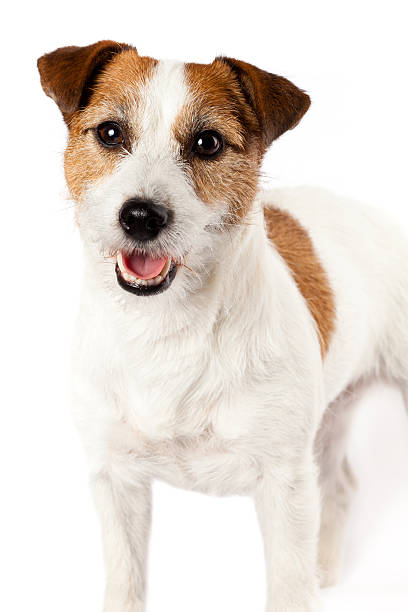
x=143, y=220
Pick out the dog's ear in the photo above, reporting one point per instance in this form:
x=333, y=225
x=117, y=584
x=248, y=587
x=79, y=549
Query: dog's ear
x=278, y=104
x=67, y=74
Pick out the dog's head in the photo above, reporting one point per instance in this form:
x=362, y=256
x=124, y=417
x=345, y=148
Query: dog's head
x=163, y=157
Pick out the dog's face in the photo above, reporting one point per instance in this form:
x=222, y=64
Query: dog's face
x=163, y=158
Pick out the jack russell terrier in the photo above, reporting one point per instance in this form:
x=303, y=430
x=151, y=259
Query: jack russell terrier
x=224, y=333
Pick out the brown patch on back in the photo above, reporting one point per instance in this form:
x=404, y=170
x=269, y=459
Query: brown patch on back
x=217, y=103
x=114, y=94
x=295, y=246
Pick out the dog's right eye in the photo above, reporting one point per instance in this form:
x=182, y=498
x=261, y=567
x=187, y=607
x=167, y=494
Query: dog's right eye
x=110, y=134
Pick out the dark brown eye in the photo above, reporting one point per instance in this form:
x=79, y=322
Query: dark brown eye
x=208, y=144
x=110, y=134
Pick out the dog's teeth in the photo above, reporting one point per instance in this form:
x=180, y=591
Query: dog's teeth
x=166, y=268
x=119, y=259
x=155, y=281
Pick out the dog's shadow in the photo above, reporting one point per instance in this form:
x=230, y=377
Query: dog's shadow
x=379, y=457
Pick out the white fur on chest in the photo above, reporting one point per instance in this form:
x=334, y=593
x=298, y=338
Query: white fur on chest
x=180, y=414
x=183, y=387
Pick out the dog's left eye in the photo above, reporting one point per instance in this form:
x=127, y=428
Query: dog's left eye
x=208, y=144
x=110, y=134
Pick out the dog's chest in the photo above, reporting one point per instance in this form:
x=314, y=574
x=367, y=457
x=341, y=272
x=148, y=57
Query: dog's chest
x=182, y=392
x=192, y=417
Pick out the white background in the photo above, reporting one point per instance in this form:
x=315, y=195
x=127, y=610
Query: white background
x=206, y=553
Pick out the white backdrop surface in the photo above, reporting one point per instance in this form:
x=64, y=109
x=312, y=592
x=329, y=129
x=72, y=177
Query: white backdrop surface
x=206, y=553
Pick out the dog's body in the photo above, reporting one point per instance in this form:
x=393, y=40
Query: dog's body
x=241, y=376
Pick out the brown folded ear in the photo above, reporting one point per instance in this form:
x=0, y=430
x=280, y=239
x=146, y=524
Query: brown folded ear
x=68, y=73
x=278, y=104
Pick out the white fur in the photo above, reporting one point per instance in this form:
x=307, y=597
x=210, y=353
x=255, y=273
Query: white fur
x=217, y=385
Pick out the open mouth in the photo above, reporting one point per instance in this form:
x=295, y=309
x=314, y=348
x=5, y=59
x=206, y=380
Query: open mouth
x=142, y=275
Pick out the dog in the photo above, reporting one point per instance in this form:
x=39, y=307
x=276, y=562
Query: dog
x=225, y=333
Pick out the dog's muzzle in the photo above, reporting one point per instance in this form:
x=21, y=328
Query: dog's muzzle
x=138, y=272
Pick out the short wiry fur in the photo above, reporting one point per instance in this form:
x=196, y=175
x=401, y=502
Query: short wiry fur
x=241, y=377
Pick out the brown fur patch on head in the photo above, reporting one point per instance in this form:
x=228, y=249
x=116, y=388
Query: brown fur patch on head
x=114, y=98
x=250, y=108
x=277, y=103
x=217, y=103
x=67, y=74
x=91, y=85
x=296, y=248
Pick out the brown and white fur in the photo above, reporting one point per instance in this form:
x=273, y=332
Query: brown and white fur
x=241, y=377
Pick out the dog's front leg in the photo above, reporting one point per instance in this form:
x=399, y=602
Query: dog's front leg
x=124, y=508
x=288, y=509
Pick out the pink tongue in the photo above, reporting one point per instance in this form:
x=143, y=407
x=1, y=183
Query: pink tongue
x=145, y=267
